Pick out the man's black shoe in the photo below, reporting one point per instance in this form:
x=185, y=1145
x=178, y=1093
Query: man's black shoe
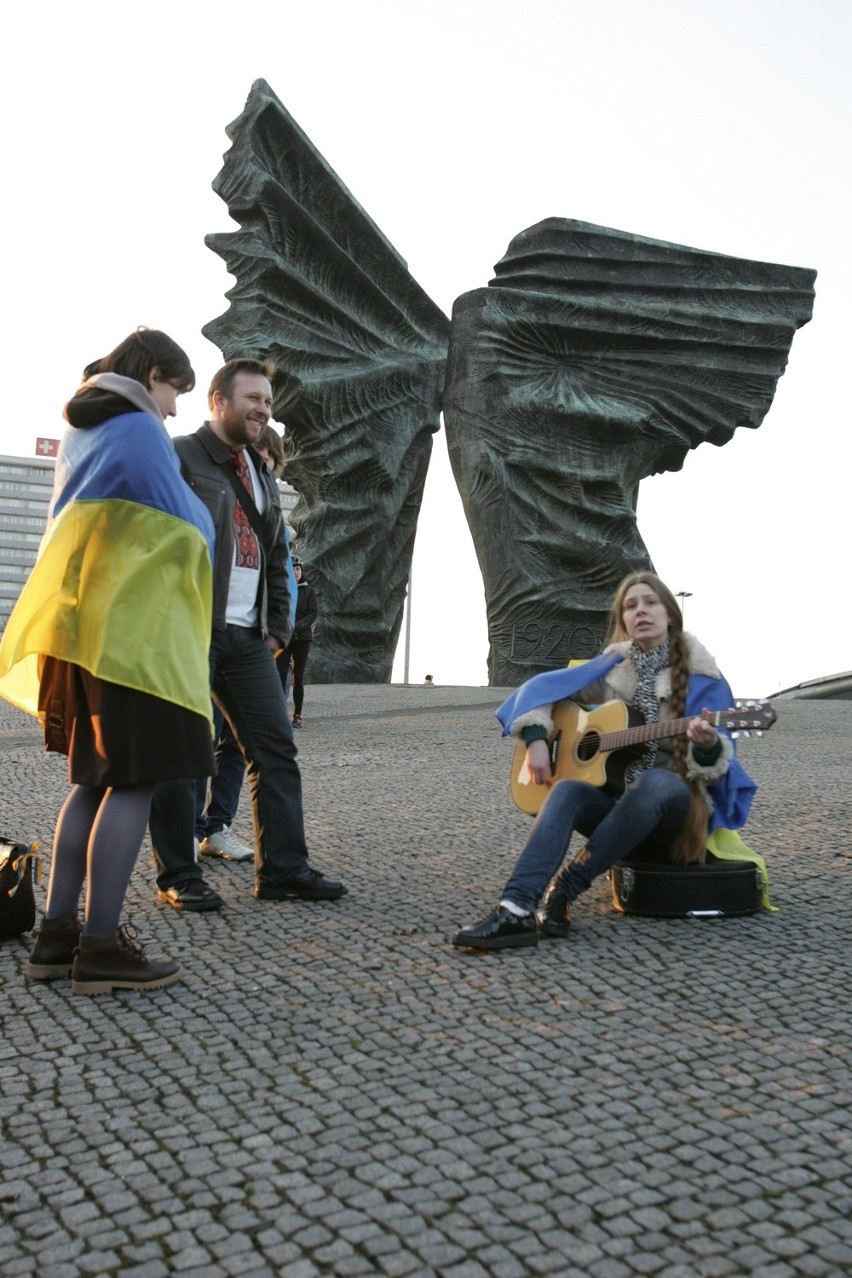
x=307, y=885
x=554, y=915
x=192, y=895
x=499, y=930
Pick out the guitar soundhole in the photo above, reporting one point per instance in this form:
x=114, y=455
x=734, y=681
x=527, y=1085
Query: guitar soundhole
x=589, y=746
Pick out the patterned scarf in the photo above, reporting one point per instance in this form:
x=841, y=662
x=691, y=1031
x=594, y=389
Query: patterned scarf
x=647, y=666
x=247, y=553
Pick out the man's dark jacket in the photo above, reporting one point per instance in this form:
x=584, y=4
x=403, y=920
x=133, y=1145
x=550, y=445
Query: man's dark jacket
x=202, y=459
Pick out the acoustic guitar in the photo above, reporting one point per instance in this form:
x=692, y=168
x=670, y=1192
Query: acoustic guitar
x=597, y=745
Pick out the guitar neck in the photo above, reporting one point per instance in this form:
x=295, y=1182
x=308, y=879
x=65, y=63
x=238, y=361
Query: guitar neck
x=652, y=732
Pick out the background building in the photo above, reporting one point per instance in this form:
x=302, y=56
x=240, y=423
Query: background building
x=26, y=485
x=289, y=497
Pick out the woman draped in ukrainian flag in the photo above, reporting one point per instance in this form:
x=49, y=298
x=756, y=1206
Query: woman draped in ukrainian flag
x=108, y=646
x=674, y=795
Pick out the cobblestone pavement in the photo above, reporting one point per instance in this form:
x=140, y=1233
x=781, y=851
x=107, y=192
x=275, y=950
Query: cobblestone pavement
x=333, y=1090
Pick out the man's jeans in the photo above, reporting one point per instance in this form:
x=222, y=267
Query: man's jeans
x=246, y=686
x=648, y=816
x=226, y=786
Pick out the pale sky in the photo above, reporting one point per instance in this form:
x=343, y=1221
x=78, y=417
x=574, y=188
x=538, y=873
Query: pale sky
x=719, y=124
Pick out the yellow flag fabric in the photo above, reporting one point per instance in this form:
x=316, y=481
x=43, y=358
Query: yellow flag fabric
x=726, y=845
x=123, y=590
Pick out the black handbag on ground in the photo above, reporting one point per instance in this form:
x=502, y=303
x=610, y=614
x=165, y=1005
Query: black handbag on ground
x=17, y=898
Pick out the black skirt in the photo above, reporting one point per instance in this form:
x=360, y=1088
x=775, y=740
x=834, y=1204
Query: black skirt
x=116, y=736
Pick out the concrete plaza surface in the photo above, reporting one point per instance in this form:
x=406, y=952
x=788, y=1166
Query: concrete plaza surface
x=334, y=1090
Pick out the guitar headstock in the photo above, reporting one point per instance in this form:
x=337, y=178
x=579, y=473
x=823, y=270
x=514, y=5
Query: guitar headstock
x=748, y=717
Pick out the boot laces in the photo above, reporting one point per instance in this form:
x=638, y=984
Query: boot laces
x=126, y=939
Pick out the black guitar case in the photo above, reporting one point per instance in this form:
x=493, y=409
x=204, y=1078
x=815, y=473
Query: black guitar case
x=719, y=888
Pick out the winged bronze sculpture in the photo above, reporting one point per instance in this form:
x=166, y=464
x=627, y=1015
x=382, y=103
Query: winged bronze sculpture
x=593, y=359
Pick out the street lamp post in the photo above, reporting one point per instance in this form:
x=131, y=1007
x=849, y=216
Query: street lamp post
x=405, y=671
x=683, y=595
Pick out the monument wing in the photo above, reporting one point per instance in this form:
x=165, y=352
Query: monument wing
x=595, y=358
x=360, y=351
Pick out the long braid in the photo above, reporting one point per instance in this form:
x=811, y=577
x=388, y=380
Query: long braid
x=690, y=845
x=679, y=662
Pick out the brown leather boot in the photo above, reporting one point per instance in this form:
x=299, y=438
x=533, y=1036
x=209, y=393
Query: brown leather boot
x=113, y=961
x=53, y=952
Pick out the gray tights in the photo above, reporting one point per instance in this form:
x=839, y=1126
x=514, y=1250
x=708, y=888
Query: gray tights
x=98, y=837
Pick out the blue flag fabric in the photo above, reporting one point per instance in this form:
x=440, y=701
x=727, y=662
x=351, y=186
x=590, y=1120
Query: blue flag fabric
x=129, y=458
x=554, y=685
x=733, y=793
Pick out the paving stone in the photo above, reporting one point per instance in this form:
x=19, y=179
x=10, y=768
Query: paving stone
x=397, y=1263
x=466, y=1269
x=643, y=1263
x=149, y=1269
x=98, y=1262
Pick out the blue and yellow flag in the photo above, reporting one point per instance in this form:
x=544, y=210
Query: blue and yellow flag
x=731, y=794
x=123, y=582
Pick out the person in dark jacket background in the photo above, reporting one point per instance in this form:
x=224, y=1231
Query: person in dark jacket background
x=299, y=646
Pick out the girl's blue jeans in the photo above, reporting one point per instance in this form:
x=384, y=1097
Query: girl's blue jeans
x=648, y=816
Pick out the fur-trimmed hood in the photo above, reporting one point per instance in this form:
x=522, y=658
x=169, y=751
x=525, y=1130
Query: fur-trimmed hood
x=623, y=678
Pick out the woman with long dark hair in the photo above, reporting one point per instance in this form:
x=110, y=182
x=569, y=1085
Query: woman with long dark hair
x=108, y=645
x=675, y=792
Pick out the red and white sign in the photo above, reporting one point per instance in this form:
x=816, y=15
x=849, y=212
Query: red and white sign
x=46, y=447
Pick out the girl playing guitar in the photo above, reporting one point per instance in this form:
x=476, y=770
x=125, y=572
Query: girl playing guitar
x=675, y=791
